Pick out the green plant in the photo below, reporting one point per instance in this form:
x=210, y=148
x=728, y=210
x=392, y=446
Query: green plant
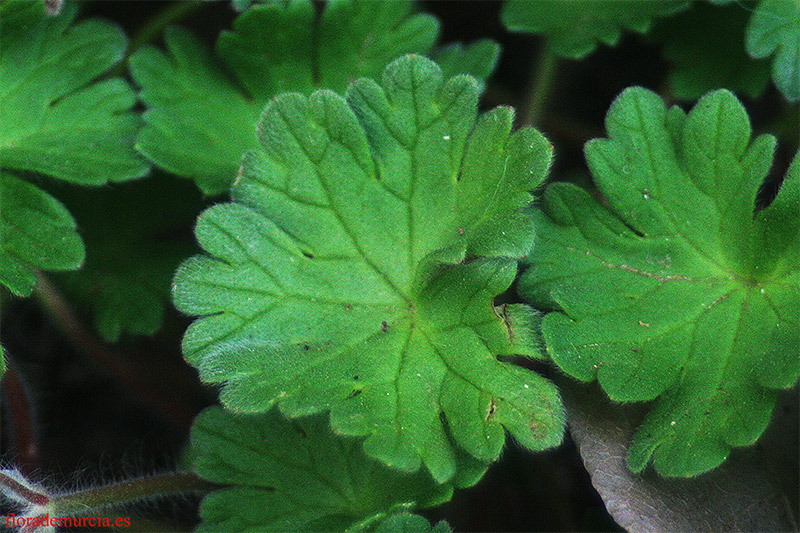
x=384, y=287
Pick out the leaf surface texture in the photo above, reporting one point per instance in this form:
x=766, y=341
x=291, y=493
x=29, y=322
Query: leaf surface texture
x=203, y=106
x=675, y=287
x=356, y=268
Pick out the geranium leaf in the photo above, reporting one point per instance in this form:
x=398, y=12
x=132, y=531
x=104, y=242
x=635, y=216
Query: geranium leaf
x=678, y=290
x=53, y=119
x=203, y=106
x=298, y=476
x=774, y=29
x=36, y=231
x=356, y=268
x=575, y=28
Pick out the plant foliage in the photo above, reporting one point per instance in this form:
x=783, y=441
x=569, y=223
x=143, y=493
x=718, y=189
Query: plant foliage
x=575, y=28
x=679, y=289
x=774, y=29
x=356, y=268
x=692, y=41
x=132, y=234
x=203, y=107
x=55, y=120
x=307, y=478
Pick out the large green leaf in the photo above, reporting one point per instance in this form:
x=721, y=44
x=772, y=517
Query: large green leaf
x=53, y=119
x=298, y=476
x=356, y=268
x=678, y=290
x=774, y=29
x=203, y=107
x=574, y=28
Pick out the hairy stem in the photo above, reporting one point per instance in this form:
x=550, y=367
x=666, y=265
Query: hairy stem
x=129, y=491
x=16, y=490
x=542, y=81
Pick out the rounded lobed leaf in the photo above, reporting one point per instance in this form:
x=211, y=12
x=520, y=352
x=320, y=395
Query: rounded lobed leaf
x=356, y=269
x=284, y=475
x=678, y=289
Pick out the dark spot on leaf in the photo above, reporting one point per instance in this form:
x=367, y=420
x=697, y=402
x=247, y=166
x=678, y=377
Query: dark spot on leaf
x=306, y=347
x=347, y=307
x=308, y=255
x=492, y=409
x=355, y=378
x=635, y=349
x=353, y=394
x=384, y=326
x=538, y=429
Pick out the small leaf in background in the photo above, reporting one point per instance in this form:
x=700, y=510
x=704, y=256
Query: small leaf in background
x=135, y=235
x=297, y=475
x=356, y=270
x=478, y=59
x=679, y=289
x=203, y=106
x=574, y=28
x=54, y=119
x=741, y=495
x=36, y=231
x=774, y=29
x=706, y=48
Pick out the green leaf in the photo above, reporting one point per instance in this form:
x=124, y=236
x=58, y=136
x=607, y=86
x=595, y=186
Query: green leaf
x=36, y=231
x=134, y=234
x=53, y=119
x=410, y=523
x=356, y=268
x=678, y=290
x=774, y=29
x=297, y=475
x=574, y=28
x=203, y=107
x=706, y=48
